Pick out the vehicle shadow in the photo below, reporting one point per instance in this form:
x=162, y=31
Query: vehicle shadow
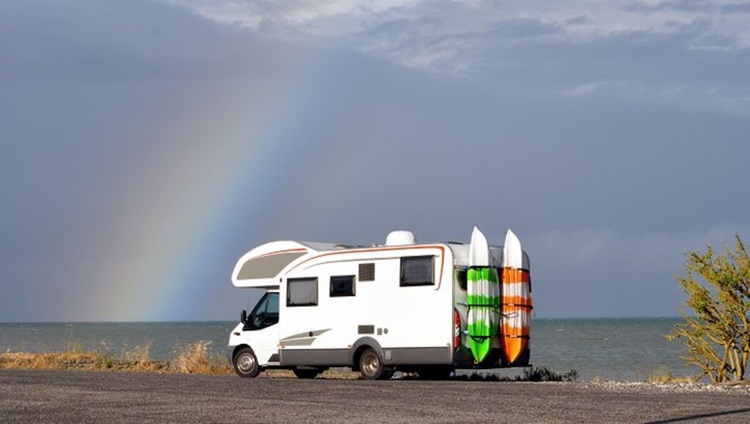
x=700, y=416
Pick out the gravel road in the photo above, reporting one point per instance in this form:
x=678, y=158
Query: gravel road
x=73, y=397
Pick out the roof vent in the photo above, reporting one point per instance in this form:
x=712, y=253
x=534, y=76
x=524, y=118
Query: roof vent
x=400, y=238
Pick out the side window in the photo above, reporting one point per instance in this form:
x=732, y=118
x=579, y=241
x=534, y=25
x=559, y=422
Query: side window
x=302, y=292
x=417, y=271
x=461, y=278
x=342, y=285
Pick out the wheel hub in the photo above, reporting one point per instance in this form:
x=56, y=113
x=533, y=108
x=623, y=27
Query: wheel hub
x=245, y=363
x=371, y=364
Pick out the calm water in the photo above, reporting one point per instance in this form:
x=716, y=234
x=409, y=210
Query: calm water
x=610, y=349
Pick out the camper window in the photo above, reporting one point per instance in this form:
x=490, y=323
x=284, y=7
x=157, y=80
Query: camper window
x=416, y=271
x=461, y=278
x=302, y=292
x=342, y=285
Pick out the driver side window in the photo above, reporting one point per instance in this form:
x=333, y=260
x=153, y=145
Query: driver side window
x=266, y=313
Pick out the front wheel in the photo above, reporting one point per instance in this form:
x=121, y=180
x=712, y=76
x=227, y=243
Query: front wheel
x=246, y=363
x=371, y=367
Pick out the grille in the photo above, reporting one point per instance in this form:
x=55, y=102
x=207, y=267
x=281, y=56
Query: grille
x=367, y=272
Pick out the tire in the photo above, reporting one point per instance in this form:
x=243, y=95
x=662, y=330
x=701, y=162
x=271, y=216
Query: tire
x=246, y=363
x=306, y=373
x=371, y=367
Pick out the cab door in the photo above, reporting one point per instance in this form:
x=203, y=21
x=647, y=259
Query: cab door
x=262, y=330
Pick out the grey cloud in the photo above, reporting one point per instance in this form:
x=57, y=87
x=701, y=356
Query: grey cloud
x=517, y=55
x=692, y=6
x=577, y=20
x=525, y=29
x=656, y=63
x=606, y=188
x=134, y=40
x=736, y=8
x=619, y=164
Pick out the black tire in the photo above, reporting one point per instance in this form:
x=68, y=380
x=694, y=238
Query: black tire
x=371, y=367
x=246, y=363
x=306, y=373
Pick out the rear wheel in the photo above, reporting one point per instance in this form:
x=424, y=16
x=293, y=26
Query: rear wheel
x=246, y=363
x=306, y=372
x=371, y=367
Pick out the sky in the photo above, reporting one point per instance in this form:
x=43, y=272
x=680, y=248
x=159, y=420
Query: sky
x=145, y=145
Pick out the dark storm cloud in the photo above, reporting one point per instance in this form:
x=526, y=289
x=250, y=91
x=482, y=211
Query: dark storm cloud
x=609, y=152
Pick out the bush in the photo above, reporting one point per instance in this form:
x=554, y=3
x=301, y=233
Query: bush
x=716, y=321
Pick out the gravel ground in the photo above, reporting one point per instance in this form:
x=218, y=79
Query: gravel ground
x=73, y=397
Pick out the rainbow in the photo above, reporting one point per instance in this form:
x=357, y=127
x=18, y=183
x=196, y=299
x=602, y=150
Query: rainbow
x=182, y=205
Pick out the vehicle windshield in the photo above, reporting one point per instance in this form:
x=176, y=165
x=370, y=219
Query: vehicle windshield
x=265, y=313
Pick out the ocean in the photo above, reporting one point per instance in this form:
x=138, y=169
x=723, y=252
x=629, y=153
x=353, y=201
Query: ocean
x=621, y=349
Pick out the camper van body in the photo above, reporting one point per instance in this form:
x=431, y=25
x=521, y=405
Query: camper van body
x=379, y=309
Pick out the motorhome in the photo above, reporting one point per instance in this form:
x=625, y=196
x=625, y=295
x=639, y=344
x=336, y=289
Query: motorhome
x=401, y=306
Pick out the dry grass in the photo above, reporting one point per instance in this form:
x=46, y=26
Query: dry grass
x=340, y=374
x=138, y=354
x=662, y=375
x=191, y=358
x=194, y=358
x=50, y=361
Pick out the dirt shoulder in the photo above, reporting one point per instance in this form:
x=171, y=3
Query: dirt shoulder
x=77, y=396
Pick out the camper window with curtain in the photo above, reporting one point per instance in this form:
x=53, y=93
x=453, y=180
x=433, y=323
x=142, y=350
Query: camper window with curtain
x=302, y=292
x=417, y=271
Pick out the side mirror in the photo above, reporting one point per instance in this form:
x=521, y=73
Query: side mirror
x=243, y=316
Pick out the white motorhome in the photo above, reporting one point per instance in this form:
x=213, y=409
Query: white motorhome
x=400, y=306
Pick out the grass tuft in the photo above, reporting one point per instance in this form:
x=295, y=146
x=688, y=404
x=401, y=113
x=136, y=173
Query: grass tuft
x=662, y=375
x=194, y=358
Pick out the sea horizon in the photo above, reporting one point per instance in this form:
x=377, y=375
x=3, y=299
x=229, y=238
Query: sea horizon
x=237, y=320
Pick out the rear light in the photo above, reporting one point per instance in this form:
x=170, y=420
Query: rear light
x=456, y=329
